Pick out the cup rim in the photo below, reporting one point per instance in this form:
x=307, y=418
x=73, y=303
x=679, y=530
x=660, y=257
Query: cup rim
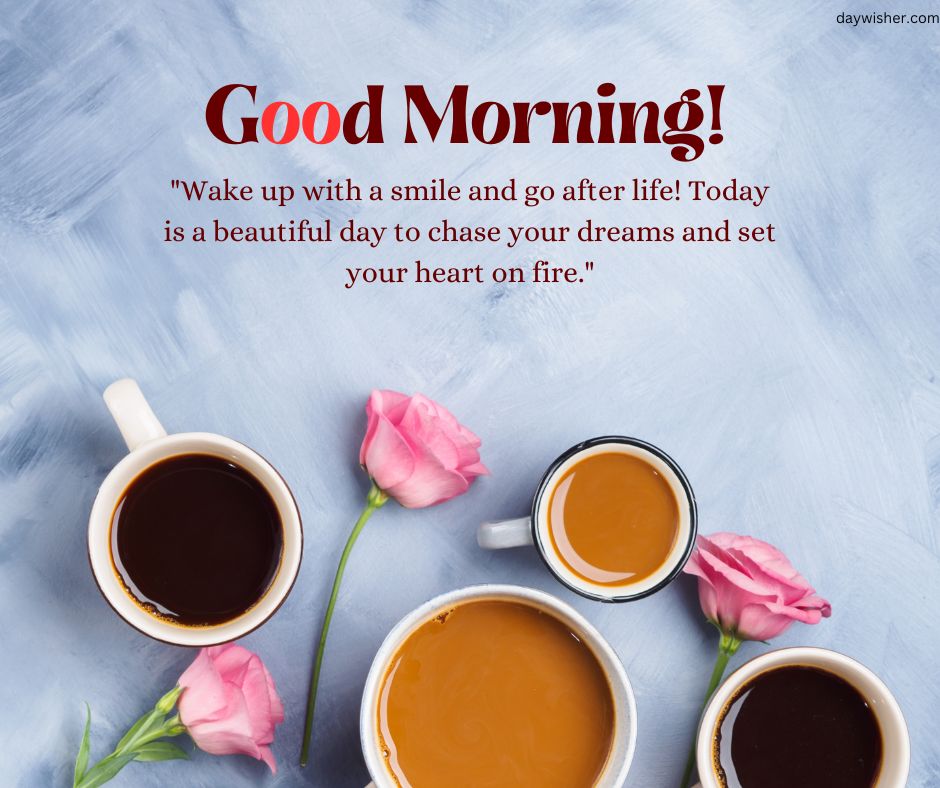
x=813, y=656
x=543, y=488
x=172, y=445
x=604, y=652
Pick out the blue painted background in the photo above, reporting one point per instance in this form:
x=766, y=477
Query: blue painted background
x=796, y=383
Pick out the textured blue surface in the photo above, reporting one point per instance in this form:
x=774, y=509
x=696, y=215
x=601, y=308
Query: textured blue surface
x=795, y=383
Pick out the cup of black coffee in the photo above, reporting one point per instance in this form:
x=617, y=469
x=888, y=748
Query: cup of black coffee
x=194, y=538
x=806, y=717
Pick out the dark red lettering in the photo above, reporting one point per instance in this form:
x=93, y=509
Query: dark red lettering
x=215, y=113
x=415, y=95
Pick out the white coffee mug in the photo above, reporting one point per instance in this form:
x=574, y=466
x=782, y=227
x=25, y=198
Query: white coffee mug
x=625, y=725
x=896, y=749
x=149, y=443
x=534, y=529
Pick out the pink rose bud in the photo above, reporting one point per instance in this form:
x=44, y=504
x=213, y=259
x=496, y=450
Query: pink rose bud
x=229, y=703
x=416, y=451
x=749, y=589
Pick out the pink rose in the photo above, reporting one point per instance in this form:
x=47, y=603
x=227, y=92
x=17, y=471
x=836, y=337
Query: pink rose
x=749, y=589
x=229, y=703
x=416, y=451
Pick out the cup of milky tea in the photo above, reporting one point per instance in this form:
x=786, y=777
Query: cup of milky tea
x=497, y=685
x=614, y=519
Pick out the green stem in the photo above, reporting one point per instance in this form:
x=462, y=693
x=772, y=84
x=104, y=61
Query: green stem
x=126, y=751
x=727, y=646
x=375, y=499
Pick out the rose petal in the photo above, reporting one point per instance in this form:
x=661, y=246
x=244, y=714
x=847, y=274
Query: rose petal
x=423, y=430
x=232, y=661
x=804, y=615
x=371, y=425
x=470, y=437
x=756, y=622
x=268, y=758
x=258, y=702
x=429, y=424
x=789, y=590
x=277, y=708
x=734, y=577
x=428, y=485
x=760, y=551
x=471, y=471
x=817, y=603
x=709, y=586
x=468, y=451
x=446, y=419
x=707, y=545
x=203, y=696
x=708, y=599
x=381, y=403
x=231, y=733
x=394, y=405
x=388, y=457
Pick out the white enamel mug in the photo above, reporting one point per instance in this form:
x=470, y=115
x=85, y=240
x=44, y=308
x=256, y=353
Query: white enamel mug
x=625, y=725
x=896, y=749
x=534, y=528
x=148, y=443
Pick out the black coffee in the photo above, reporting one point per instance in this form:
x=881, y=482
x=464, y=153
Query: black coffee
x=196, y=539
x=798, y=726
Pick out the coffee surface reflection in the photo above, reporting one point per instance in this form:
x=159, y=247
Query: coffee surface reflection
x=798, y=726
x=613, y=519
x=196, y=540
x=497, y=694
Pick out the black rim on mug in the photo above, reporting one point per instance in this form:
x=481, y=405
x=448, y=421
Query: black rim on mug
x=640, y=444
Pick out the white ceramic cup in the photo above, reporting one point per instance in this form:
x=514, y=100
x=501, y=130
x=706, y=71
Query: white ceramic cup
x=534, y=529
x=624, y=738
x=896, y=751
x=149, y=443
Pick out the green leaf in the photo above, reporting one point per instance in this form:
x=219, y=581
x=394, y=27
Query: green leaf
x=139, y=728
x=160, y=751
x=105, y=770
x=81, y=760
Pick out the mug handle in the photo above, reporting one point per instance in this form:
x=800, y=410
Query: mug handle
x=133, y=415
x=500, y=534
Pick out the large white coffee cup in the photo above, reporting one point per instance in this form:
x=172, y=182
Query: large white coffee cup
x=896, y=750
x=624, y=736
x=149, y=443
